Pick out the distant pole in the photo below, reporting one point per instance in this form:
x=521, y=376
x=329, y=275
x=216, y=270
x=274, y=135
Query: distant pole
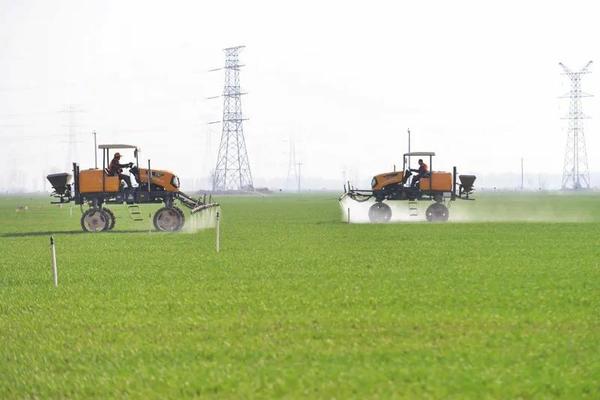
x=408, y=148
x=299, y=174
x=348, y=215
x=521, y=173
x=54, y=266
x=292, y=174
x=95, y=151
x=149, y=175
x=218, y=241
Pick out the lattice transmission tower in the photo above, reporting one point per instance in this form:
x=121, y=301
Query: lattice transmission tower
x=576, y=174
x=233, y=169
x=73, y=127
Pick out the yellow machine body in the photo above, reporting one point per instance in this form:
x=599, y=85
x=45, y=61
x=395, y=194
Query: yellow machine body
x=386, y=179
x=97, y=181
x=438, y=182
x=162, y=178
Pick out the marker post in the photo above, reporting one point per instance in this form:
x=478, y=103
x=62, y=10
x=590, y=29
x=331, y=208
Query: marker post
x=54, y=266
x=218, y=233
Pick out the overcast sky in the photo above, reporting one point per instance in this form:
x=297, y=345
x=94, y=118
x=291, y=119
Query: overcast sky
x=477, y=82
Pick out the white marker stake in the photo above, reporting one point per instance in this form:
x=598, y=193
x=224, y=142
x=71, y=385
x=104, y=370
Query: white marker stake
x=54, y=267
x=218, y=231
x=348, y=215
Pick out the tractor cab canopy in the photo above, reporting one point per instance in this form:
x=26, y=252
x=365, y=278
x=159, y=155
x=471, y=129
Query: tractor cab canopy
x=106, y=152
x=419, y=154
x=117, y=146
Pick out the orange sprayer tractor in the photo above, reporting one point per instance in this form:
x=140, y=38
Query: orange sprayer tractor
x=434, y=186
x=98, y=187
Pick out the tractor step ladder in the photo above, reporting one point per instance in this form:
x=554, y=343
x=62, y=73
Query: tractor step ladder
x=413, y=209
x=134, y=212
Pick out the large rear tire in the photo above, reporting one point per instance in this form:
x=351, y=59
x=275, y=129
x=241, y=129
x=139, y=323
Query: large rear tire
x=95, y=220
x=112, y=218
x=168, y=219
x=437, y=212
x=380, y=213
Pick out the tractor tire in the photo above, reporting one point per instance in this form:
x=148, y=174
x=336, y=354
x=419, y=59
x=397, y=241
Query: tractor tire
x=95, y=220
x=380, y=213
x=181, y=213
x=112, y=217
x=437, y=212
x=168, y=219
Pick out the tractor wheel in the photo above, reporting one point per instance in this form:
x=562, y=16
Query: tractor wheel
x=95, y=220
x=180, y=211
x=112, y=218
x=168, y=219
x=380, y=213
x=437, y=212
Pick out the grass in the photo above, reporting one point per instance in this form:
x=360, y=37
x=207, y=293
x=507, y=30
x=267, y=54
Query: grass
x=299, y=304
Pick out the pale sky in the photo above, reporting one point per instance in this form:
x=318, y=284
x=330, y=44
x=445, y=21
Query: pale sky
x=477, y=82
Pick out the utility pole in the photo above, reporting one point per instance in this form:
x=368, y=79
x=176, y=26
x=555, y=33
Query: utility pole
x=292, y=174
x=521, y=174
x=299, y=174
x=95, y=151
x=576, y=174
x=232, y=171
x=408, y=148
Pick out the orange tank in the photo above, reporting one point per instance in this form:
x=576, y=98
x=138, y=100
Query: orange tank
x=440, y=182
x=90, y=181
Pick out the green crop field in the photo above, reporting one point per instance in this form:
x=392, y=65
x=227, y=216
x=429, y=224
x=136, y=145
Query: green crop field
x=503, y=304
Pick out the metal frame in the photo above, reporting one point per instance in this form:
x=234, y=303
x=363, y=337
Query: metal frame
x=420, y=154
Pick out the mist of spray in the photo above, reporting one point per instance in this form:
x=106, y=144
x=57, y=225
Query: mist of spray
x=506, y=209
x=359, y=211
x=512, y=210
x=205, y=219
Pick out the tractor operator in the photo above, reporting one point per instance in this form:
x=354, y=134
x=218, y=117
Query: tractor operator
x=116, y=168
x=422, y=172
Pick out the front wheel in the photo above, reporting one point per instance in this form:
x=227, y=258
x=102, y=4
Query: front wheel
x=168, y=219
x=95, y=220
x=437, y=212
x=380, y=213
